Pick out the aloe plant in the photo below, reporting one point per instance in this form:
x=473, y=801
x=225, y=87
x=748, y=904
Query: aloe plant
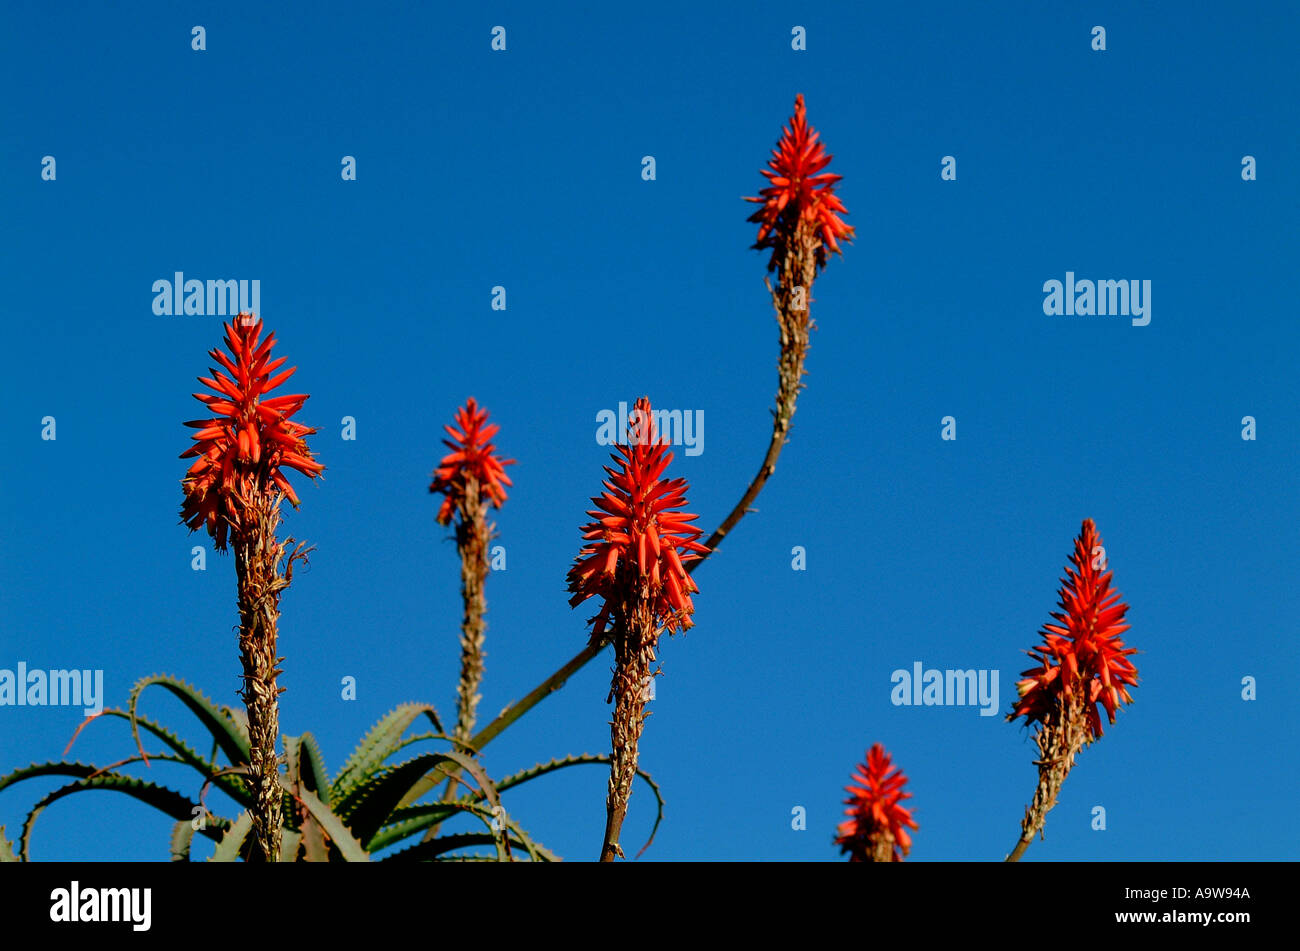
x=375, y=803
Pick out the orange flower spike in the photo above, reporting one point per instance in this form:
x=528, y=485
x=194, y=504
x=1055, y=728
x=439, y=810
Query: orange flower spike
x=472, y=457
x=636, y=524
x=242, y=448
x=798, y=191
x=1084, y=650
x=876, y=829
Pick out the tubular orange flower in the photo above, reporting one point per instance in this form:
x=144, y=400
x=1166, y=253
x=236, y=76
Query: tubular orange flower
x=799, y=191
x=243, y=449
x=876, y=830
x=1083, y=653
x=472, y=458
x=640, y=540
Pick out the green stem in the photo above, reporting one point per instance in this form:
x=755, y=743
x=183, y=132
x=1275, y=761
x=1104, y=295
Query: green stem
x=538, y=694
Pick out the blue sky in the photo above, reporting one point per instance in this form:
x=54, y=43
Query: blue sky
x=522, y=169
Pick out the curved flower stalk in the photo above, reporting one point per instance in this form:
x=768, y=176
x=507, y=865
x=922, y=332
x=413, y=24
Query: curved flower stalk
x=799, y=221
x=1082, y=664
x=470, y=478
x=877, y=824
x=635, y=557
x=234, y=489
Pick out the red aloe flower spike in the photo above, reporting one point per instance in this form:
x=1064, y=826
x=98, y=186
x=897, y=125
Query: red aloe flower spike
x=799, y=192
x=640, y=541
x=1083, y=653
x=876, y=830
x=1082, y=664
x=243, y=449
x=472, y=460
x=469, y=477
x=634, y=558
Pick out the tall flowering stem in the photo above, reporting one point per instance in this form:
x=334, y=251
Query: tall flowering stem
x=1082, y=669
x=799, y=222
x=234, y=490
x=470, y=478
x=259, y=560
x=634, y=558
x=877, y=823
x=634, y=655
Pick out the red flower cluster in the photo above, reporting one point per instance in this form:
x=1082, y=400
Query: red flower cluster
x=874, y=810
x=798, y=192
x=242, y=449
x=1083, y=651
x=472, y=457
x=640, y=539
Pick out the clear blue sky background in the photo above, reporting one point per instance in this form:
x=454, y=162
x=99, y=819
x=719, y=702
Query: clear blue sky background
x=522, y=169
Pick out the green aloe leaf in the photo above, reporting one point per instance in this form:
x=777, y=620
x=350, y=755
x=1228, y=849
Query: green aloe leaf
x=406, y=821
x=442, y=845
x=378, y=744
x=584, y=759
x=182, y=839
x=231, y=785
x=290, y=759
x=289, y=842
x=221, y=722
x=370, y=805
x=487, y=788
x=164, y=800
x=420, y=737
x=332, y=825
x=314, y=775
x=367, y=807
x=79, y=770
x=231, y=846
x=314, y=846
x=437, y=849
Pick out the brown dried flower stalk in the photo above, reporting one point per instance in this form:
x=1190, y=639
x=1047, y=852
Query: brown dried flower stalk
x=472, y=537
x=634, y=654
x=470, y=477
x=258, y=559
x=1062, y=734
